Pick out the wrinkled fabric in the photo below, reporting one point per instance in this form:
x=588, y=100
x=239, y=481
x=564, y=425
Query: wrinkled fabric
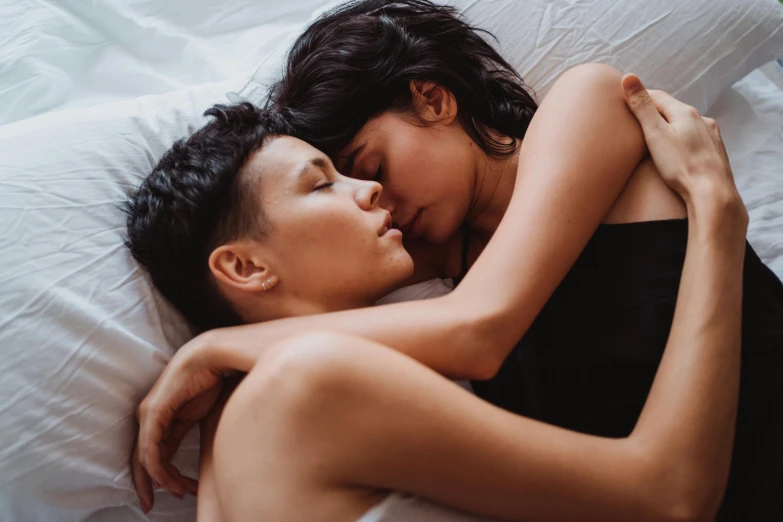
x=91, y=95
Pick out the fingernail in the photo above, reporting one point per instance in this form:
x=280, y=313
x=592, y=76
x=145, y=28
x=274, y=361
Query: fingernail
x=178, y=494
x=156, y=484
x=144, y=506
x=632, y=83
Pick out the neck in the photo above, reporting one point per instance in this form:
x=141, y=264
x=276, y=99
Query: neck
x=272, y=307
x=495, y=179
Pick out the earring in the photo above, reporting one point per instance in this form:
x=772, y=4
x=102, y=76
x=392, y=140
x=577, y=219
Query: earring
x=270, y=282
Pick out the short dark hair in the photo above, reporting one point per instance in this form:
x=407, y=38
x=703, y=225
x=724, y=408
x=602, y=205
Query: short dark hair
x=196, y=199
x=357, y=61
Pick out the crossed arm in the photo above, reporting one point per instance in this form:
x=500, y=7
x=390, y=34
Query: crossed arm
x=579, y=151
x=469, y=332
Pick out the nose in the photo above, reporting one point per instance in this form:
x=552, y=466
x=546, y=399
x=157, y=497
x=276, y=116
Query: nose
x=368, y=194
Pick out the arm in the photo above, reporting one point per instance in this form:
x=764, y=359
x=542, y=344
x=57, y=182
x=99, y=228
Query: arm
x=208, y=506
x=432, y=439
x=685, y=153
x=584, y=124
x=675, y=464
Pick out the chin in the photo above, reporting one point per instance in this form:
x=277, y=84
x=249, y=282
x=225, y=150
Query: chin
x=440, y=235
x=398, y=269
x=406, y=265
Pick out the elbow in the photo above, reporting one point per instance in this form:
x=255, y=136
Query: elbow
x=672, y=503
x=485, y=344
x=683, y=491
x=688, y=510
x=484, y=370
x=695, y=503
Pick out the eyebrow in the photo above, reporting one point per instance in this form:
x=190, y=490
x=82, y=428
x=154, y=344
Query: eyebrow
x=348, y=167
x=319, y=162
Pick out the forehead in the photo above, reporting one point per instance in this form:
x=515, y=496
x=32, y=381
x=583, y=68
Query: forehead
x=280, y=160
x=370, y=135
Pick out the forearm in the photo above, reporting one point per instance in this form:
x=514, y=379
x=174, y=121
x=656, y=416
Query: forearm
x=688, y=421
x=440, y=333
x=567, y=179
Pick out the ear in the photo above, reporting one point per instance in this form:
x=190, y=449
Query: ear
x=433, y=102
x=239, y=266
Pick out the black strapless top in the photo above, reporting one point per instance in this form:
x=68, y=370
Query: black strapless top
x=588, y=361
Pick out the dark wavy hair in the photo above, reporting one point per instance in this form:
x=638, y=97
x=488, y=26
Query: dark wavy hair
x=197, y=198
x=357, y=61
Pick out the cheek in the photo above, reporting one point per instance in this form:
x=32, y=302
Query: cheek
x=417, y=173
x=319, y=239
x=440, y=160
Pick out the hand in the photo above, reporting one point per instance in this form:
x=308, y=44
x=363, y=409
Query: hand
x=687, y=148
x=184, y=394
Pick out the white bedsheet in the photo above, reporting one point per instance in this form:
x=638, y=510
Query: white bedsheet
x=750, y=115
x=64, y=53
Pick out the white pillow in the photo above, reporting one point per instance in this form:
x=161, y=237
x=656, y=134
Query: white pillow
x=693, y=49
x=83, y=335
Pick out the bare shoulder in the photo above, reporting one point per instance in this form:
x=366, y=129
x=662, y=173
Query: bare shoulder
x=592, y=72
x=597, y=81
x=645, y=196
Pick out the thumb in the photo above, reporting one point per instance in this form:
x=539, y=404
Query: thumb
x=641, y=103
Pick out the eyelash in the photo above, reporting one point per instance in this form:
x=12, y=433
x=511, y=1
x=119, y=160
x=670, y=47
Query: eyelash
x=325, y=185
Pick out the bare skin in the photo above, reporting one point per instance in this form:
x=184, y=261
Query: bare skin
x=520, y=295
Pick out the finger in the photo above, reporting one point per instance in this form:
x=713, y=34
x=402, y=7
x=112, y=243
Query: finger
x=152, y=425
x=641, y=104
x=671, y=108
x=141, y=482
x=191, y=485
x=180, y=483
x=179, y=431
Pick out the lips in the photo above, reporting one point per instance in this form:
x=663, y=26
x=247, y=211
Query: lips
x=407, y=226
x=387, y=224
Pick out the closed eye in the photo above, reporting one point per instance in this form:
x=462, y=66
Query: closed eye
x=378, y=172
x=323, y=186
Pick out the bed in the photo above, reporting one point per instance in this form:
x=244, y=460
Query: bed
x=91, y=95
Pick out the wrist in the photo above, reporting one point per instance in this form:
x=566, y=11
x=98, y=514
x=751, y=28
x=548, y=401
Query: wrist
x=219, y=350
x=207, y=350
x=718, y=212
